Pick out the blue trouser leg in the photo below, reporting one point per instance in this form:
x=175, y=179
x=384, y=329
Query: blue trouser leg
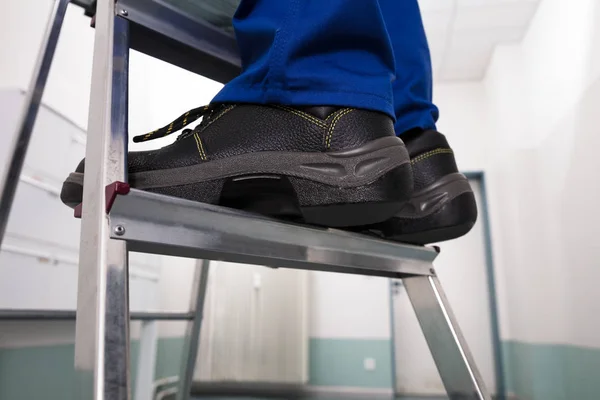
x=313, y=52
x=335, y=52
x=412, y=87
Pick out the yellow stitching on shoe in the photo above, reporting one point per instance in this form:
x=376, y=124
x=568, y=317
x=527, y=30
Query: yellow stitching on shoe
x=185, y=118
x=333, y=115
x=197, y=136
x=430, y=154
x=334, y=123
x=225, y=111
x=304, y=115
x=307, y=116
x=215, y=119
x=200, y=147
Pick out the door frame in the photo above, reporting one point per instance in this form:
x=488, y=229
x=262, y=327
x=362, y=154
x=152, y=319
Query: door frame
x=484, y=217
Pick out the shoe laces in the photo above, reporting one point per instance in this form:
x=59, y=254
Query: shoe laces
x=205, y=112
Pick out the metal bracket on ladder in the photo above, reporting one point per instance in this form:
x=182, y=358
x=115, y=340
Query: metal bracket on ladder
x=116, y=222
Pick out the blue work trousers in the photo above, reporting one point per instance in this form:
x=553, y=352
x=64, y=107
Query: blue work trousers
x=370, y=54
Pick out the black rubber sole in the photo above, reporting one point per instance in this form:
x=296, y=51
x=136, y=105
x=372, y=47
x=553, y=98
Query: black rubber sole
x=454, y=220
x=343, y=207
x=294, y=199
x=71, y=194
x=357, y=187
x=452, y=214
x=305, y=201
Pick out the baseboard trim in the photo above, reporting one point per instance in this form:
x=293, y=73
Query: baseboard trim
x=296, y=391
x=349, y=390
x=253, y=389
x=288, y=391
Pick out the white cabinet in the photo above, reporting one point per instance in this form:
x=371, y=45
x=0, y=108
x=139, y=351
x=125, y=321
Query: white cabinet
x=255, y=325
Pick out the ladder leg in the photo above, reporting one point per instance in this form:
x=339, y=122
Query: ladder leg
x=33, y=100
x=393, y=289
x=102, y=328
x=192, y=334
x=446, y=342
x=146, y=363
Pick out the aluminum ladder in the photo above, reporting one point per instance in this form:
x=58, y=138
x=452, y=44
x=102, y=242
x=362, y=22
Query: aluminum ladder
x=117, y=219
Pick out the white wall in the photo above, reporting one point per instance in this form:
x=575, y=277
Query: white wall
x=543, y=96
x=464, y=115
x=531, y=125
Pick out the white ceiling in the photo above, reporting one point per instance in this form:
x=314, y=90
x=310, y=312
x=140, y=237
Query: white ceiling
x=462, y=34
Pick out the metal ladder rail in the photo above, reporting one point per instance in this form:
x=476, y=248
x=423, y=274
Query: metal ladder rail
x=102, y=352
x=33, y=100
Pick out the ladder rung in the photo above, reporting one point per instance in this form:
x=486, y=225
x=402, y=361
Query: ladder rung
x=159, y=224
x=70, y=315
x=181, y=39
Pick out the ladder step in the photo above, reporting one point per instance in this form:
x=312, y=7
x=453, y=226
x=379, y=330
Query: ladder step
x=181, y=38
x=153, y=223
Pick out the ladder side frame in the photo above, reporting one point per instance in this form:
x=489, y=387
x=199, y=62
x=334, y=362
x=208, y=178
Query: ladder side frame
x=102, y=325
x=192, y=332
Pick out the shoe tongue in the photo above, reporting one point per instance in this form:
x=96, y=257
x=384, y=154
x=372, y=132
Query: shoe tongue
x=319, y=111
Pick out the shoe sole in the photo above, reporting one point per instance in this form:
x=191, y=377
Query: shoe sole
x=364, y=185
x=443, y=211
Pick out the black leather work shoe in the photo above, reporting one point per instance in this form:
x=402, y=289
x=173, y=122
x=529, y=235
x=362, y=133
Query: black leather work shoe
x=326, y=166
x=442, y=206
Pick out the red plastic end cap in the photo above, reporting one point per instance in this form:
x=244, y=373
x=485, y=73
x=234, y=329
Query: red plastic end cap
x=77, y=211
x=111, y=191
